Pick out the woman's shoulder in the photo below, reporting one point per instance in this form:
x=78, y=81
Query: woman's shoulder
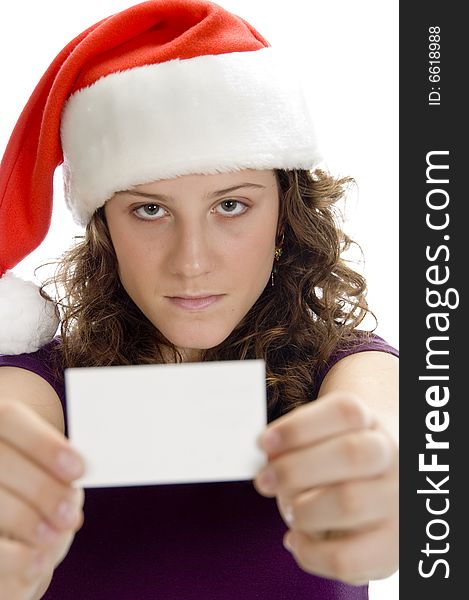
x=45, y=362
x=32, y=379
x=362, y=341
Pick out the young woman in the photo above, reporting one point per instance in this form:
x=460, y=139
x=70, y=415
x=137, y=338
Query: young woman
x=190, y=157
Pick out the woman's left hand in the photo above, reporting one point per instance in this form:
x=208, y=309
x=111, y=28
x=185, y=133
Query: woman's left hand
x=334, y=472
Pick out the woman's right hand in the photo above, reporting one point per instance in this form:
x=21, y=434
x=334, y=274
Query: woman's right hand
x=40, y=509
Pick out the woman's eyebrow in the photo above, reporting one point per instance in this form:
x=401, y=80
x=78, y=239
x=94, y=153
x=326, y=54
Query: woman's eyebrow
x=208, y=196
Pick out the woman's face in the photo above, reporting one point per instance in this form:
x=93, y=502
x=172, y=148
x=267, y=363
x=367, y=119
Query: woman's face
x=196, y=236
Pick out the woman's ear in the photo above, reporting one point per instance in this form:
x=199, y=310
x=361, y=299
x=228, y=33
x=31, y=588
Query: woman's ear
x=280, y=235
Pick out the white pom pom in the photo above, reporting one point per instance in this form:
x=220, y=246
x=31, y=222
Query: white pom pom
x=27, y=321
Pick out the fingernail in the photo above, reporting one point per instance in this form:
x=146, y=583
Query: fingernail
x=69, y=464
x=288, y=514
x=287, y=543
x=67, y=513
x=267, y=480
x=270, y=440
x=37, y=565
x=45, y=533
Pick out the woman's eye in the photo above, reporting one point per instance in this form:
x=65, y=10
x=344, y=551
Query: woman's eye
x=148, y=212
x=233, y=207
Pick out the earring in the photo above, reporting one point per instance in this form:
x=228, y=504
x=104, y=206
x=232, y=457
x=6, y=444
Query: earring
x=278, y=253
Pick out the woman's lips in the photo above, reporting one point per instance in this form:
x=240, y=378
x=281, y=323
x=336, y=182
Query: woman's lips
x=195, y=303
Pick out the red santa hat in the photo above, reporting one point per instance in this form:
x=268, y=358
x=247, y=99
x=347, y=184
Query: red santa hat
x=162, y=89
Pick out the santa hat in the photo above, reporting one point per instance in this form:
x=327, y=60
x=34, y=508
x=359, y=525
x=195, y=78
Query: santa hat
x=162, y=89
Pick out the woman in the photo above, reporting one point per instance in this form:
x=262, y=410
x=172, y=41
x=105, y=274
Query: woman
x=210, y=235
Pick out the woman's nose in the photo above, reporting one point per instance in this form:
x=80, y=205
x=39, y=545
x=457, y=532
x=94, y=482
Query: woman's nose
x=190, y=255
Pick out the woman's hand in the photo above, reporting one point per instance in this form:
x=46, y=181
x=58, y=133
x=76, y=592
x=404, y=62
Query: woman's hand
x=334, y=471
x=36, y=528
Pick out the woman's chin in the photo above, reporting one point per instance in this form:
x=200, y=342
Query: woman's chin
x=201, y=341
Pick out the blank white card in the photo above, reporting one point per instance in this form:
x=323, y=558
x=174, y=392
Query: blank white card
x=175, y=423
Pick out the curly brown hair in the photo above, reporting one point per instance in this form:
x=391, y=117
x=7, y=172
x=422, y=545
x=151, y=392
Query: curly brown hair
x=315, y=306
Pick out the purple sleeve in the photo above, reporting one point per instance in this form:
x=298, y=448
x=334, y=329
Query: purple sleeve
x=372, y=342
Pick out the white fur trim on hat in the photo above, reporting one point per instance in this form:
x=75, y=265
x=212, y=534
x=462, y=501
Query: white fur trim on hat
x=27, y=321
x=204, y=115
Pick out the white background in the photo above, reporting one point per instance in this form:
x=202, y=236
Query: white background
x=349, y=55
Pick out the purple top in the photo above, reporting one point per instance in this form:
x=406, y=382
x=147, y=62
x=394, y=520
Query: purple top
x=184, y=541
